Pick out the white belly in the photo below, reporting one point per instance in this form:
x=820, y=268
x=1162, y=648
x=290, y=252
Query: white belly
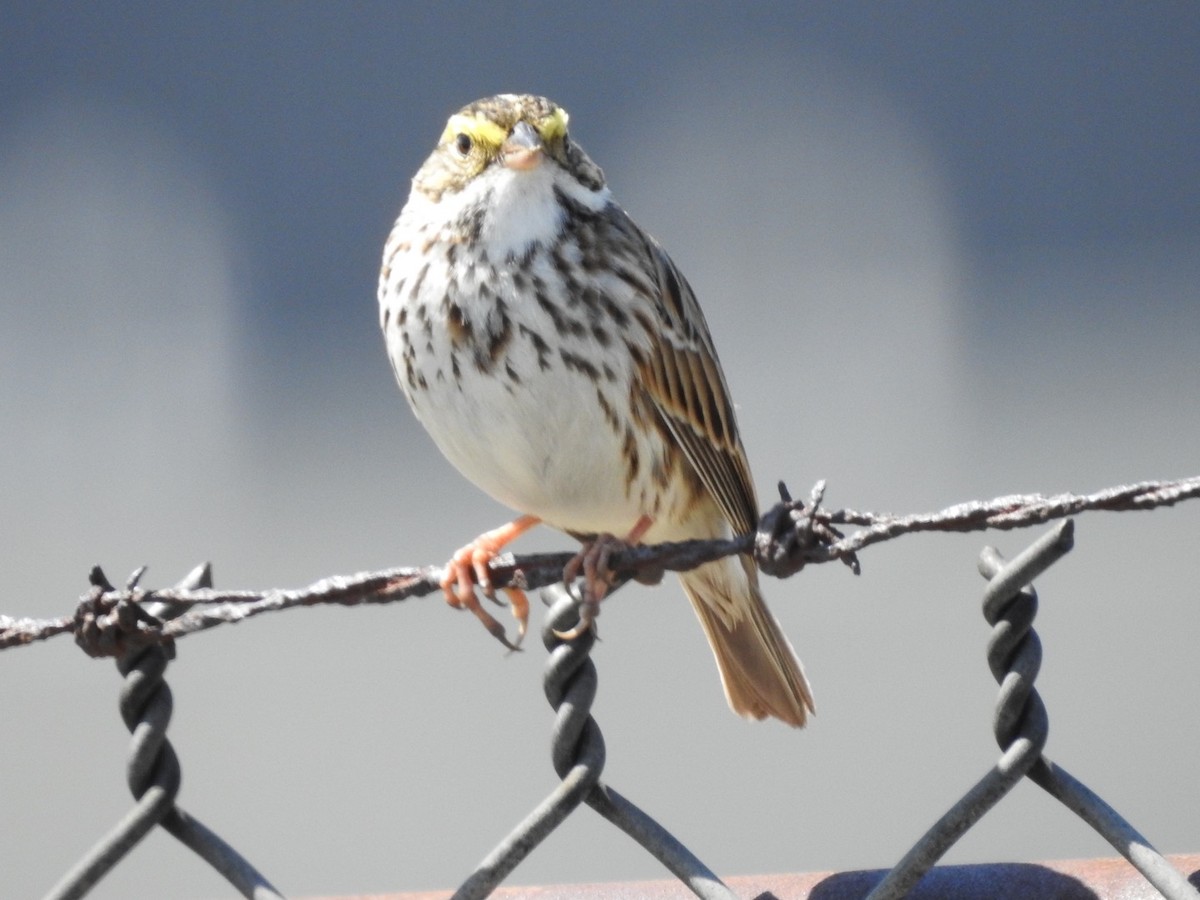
x=543, y=449
x=530, y=430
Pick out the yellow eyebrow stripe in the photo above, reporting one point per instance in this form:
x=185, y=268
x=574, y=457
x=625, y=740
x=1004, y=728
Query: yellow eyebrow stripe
x=481, y=129
x=554, y=125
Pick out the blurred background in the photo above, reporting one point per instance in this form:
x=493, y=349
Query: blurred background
x=948, y=253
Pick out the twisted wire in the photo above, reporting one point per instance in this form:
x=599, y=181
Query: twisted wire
x=1018, y=697
x=154, y=774
x=1021, y=726
x=1020, y=721
x=791, y=535
x=578, y=754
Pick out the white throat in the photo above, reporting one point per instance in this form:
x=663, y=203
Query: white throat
x=523, y=210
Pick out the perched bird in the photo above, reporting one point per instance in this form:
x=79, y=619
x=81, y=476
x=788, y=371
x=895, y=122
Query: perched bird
x=560, y=361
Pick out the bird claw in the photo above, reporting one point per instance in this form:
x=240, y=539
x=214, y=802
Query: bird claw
x=587, y=622
x=598, y=577
x=468, y=568
x=460, y=593
x=495, y=629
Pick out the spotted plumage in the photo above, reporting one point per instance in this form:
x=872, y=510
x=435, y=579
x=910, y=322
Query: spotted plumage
x=560, y=361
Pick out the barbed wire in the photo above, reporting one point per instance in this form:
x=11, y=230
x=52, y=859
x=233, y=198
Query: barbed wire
x=154, y=774
x=1020, y=724
x=138, y=627
x=110, y=621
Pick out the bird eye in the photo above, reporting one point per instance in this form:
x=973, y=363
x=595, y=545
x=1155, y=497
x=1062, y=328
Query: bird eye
x=462, y=143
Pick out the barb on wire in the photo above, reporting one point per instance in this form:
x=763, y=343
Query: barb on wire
x=791, y=535
x=153, y=771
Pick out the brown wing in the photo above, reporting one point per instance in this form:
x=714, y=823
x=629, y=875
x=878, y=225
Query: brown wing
x=682, y=377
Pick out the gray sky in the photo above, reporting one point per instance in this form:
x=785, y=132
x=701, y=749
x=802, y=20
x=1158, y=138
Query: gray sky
x=946, y=252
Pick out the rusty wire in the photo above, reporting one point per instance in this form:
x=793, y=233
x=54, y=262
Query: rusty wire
x=791, y=535
x=153, y=770
x=577, y=749
x=1021, y=725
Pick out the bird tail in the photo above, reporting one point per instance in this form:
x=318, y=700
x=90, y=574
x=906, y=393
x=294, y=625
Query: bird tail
x=759, y=669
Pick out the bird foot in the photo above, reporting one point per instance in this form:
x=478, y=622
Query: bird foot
x=593, y=560
x=468, y=567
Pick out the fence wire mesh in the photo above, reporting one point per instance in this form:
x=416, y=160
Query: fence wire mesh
x=153, y=770
x=578, y=754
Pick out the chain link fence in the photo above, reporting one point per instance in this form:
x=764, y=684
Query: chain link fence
x=578, y=754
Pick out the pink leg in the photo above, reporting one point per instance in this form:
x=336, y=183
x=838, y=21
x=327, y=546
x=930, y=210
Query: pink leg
x=597, y=579
x=469, y=567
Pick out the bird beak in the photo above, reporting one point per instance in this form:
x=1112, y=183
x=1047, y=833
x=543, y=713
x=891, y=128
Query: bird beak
x=523, y=149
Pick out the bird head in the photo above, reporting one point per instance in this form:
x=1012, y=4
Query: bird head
x=517, y=133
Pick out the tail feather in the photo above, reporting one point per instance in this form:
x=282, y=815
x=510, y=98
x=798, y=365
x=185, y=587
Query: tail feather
x=759, y=669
